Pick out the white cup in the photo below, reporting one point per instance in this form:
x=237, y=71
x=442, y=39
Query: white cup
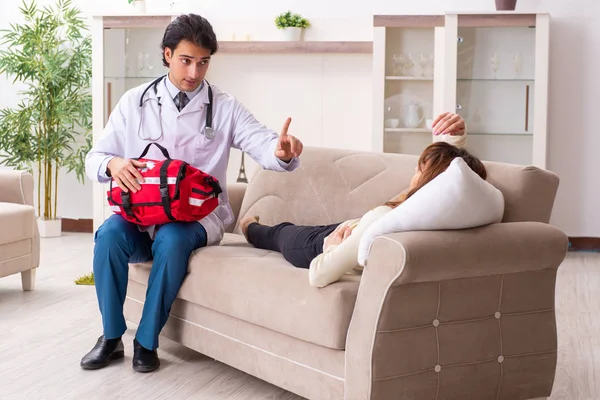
x=392, y=122
x=429, y=123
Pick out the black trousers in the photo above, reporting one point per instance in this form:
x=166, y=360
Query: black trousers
x=299, y=244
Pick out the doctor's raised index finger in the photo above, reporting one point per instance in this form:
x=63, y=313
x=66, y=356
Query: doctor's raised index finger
x=286, y=125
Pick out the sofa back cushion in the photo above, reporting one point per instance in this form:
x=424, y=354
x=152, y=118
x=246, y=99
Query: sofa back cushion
x=333, y=185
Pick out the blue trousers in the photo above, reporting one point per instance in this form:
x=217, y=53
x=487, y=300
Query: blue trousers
x=119, y=242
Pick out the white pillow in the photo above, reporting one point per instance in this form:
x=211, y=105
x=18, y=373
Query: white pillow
x=455, y=199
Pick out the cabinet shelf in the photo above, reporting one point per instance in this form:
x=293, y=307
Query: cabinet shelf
x=524, y=134
x=120, y=78
x=426, y=130
x=412, y=130
x=130, y=21
x=340, y=47
x=408, y=78
x=495, y=80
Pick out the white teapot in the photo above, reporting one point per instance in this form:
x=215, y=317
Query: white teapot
x=414, y=115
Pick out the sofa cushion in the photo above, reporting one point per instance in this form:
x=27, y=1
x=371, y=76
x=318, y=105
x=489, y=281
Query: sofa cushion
x=261, y=287
x=16, y=222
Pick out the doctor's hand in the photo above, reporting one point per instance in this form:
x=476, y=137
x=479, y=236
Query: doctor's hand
x=125, y=173
x=288, y=146
x=449, y=123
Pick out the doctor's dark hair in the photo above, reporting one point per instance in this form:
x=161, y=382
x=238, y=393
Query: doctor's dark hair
x=190, y=27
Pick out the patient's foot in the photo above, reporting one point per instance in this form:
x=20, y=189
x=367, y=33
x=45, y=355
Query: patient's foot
x=245, y=223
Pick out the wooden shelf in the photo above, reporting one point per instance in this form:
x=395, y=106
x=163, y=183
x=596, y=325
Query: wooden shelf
x=264, y=47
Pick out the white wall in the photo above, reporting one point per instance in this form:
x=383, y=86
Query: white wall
x=575, y=43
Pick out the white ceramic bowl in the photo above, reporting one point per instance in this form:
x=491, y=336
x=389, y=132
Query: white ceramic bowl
x=392, y=122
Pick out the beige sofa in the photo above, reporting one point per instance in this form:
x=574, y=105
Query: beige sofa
x=449, y=314
x=19, y=237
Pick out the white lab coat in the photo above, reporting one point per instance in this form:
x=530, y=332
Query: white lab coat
x=183, y=137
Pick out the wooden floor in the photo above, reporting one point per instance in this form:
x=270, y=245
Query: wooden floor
x=44, y=334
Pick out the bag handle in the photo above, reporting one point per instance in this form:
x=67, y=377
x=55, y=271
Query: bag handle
x=162, y=149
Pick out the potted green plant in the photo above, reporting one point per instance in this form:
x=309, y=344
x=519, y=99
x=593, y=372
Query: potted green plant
x=50, y=128
x=138, y=5
x=291, y=25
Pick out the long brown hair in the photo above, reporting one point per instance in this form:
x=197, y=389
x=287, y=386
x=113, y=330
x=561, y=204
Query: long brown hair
x=434, y=160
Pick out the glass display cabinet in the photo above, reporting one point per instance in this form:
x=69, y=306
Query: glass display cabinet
x=125, y=54
x=492, y=69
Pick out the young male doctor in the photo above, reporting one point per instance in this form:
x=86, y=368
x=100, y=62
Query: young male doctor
x=196, y=123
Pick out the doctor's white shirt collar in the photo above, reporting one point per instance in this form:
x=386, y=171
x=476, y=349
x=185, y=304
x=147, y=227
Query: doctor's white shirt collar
x=173, y=91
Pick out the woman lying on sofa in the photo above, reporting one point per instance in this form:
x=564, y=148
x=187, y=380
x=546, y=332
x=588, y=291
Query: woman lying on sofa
x=317, y=247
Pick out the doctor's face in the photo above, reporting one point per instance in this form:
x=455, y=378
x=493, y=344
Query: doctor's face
x=188, y=64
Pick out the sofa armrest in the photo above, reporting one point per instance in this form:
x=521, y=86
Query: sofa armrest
x=461, y=313
x=443, y=255
x=16, y=187
x=235, y=192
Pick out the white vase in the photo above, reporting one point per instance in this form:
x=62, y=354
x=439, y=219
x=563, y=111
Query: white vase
x=414, y=115
x=139, y=6
x=291, y=34
x=49, y=227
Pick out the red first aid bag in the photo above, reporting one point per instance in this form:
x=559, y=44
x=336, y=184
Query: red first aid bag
x=173, y=191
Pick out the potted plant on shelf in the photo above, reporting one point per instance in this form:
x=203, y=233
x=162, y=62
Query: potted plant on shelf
x=51, y=126
x=291, y=25
x=138, y=5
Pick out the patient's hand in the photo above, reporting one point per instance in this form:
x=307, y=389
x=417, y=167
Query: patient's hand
x=338, y=236
x=449, y=123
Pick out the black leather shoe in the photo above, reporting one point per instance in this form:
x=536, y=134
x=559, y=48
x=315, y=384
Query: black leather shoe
x=103, y=353
x=144, y=360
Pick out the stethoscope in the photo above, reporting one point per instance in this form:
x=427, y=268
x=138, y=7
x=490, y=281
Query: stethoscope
x=209, y=132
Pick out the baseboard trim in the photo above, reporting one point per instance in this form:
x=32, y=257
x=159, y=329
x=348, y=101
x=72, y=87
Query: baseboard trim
x=584, y=244
x=78, y=225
